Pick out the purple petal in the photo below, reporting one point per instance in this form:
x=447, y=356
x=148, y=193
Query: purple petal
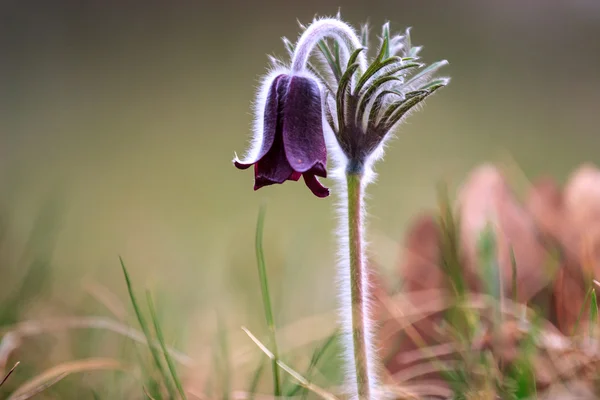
x=261, y=181
x=271, y=115
x=318, y=169
x=302, y=126
x=315, y=186
x=273, y=167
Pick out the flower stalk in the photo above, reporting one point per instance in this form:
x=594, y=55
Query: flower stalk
x=359, y=289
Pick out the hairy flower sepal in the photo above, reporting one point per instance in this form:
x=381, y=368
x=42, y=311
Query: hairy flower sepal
x=290, y=142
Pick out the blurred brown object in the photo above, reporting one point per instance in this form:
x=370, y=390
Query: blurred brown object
x=552, y=219
x=504, y=343
x=560, y=368
x=485, y=198
x=545, y=202
x=582, y=217
x=419, y=266
x=569, y=295
x=419, y=270
x=570, y=220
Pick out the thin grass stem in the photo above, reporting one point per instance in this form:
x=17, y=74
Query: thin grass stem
x=145, y=328
x=264, y=286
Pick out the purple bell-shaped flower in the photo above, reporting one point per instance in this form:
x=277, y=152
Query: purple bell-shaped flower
x=291, y=143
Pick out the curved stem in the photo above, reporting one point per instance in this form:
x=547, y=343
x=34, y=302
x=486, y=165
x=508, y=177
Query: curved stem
x=328, y=27
x=359, y=291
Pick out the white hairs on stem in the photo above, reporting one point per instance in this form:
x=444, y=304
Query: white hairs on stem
x=345, y=295
x=344, y=278
x=320, y=29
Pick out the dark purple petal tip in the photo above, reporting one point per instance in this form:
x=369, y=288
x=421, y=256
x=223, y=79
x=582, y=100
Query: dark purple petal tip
x=315, y=186
x=240, y=165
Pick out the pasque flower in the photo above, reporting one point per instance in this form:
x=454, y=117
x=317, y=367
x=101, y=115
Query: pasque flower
x=332, y=92
x=291, y=143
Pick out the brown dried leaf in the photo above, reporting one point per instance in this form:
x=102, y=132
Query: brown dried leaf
x=485, y=198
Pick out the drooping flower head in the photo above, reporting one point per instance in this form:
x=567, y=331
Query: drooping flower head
x=291, y=143
x=331, y=83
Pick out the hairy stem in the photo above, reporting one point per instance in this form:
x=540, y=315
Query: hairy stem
x=320, y=29
x=359, y=290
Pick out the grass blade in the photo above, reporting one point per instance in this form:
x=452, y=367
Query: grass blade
x=38, y=389
x=302, y=380
x=148, y=395
x=146, y=330
x=316, y=357
x=163, y=346
x=264, y=286
x=256, y=378
x=593, y=313
x=9, y=373
x=53, y=375
x=513, y=265
x=488, y=258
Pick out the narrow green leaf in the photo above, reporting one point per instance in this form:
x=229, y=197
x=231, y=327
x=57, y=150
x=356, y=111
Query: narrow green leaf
x=302, y=380
x=384, y=50
x=389, y=75
x=425, y=73
x=434, y=85
x=354, y=56
x=161, y=340
x=329, y=114
x=488, y=259
x=264, y=286
x=407, y=41
x=386, y=40
x=256, y=378
x=403, y=108
x=513, y=265
x=147, y=393
x=343, y=92
x=593, y=313
x=404, y=66
x=335, y=68
x=316, y=357
x=414, y=51
x=373, y=69
x=146, y=330
x=336, y=53
x=376, y=107
x=582, y=310
x=369, y=93
x=396, y=110
x=364, y=35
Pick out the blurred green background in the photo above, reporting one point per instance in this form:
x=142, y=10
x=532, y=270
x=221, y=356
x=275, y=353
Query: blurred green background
x=125, y=116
